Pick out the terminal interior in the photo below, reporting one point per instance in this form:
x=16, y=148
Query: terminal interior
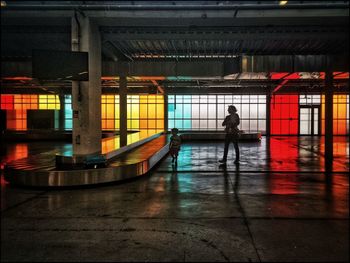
x=157, y=65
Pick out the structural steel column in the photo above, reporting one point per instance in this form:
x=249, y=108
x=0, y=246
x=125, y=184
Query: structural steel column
x=329, y=121
x=123, y=124
x=86, y=95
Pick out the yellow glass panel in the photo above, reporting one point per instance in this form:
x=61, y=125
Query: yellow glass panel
x=143, y=111
x=151, y=99
x=151, y=110
x=103, y=111
x=135, y=124
x=143, y=98
x=160, y=124
x=128, y=106
x=116, y=124
x=160, y=110
x=110, y=111
x=116, y=109
x=51, y=106
x=135, y=111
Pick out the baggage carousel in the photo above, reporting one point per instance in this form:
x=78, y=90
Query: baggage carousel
x=133, y=160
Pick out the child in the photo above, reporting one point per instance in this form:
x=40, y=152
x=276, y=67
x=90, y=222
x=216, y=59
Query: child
x=175, y=143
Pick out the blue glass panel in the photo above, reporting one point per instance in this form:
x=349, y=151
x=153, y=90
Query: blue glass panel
x=178, y=111
x=171, y=111
x=187, y=111
x=68, y=124
x=171, y=124
x=187, y=124
x=178, y=124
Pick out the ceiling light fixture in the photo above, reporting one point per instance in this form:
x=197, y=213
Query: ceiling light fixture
x=283, y=2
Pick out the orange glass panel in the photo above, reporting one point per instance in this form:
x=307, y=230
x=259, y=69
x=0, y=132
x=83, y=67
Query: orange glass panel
x=339, y=114
x=152, y=124
x=110, y=124
x=143, y=124
x=103, y=111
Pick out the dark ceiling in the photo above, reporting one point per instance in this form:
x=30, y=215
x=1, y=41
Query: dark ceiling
x=180, y=30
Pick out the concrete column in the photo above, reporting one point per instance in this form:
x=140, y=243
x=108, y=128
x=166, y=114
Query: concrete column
x=123, y=124
x=86, y=95
x=329, y=121
x=61, y=115
x=165, y=112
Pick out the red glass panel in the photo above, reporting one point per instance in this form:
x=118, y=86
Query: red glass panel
x=6, y=102
x=284, y=114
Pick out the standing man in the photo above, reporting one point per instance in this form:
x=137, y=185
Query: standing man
x=232, y=133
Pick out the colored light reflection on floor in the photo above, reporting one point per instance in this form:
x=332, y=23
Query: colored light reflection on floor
x=284, y=154
x=111, y=144
x=14, y=152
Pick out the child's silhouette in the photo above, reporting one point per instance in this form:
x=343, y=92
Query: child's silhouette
x=175, y=143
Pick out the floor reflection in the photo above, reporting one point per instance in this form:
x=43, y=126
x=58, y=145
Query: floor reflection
x=279, y=153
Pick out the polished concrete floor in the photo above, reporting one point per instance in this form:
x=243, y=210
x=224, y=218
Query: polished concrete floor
x=275, y=206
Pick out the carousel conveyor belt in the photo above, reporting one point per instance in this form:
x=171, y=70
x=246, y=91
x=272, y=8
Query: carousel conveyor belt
x=40, y=170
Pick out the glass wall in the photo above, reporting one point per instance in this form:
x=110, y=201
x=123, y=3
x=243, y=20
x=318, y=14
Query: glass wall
x=284, y=114
x=16, y=106
x=207, y=112
x=340, y=114
x=193, y=112
x=144, y=112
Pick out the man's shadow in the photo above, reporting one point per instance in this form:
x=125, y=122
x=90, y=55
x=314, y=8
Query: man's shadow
x=235, y=184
